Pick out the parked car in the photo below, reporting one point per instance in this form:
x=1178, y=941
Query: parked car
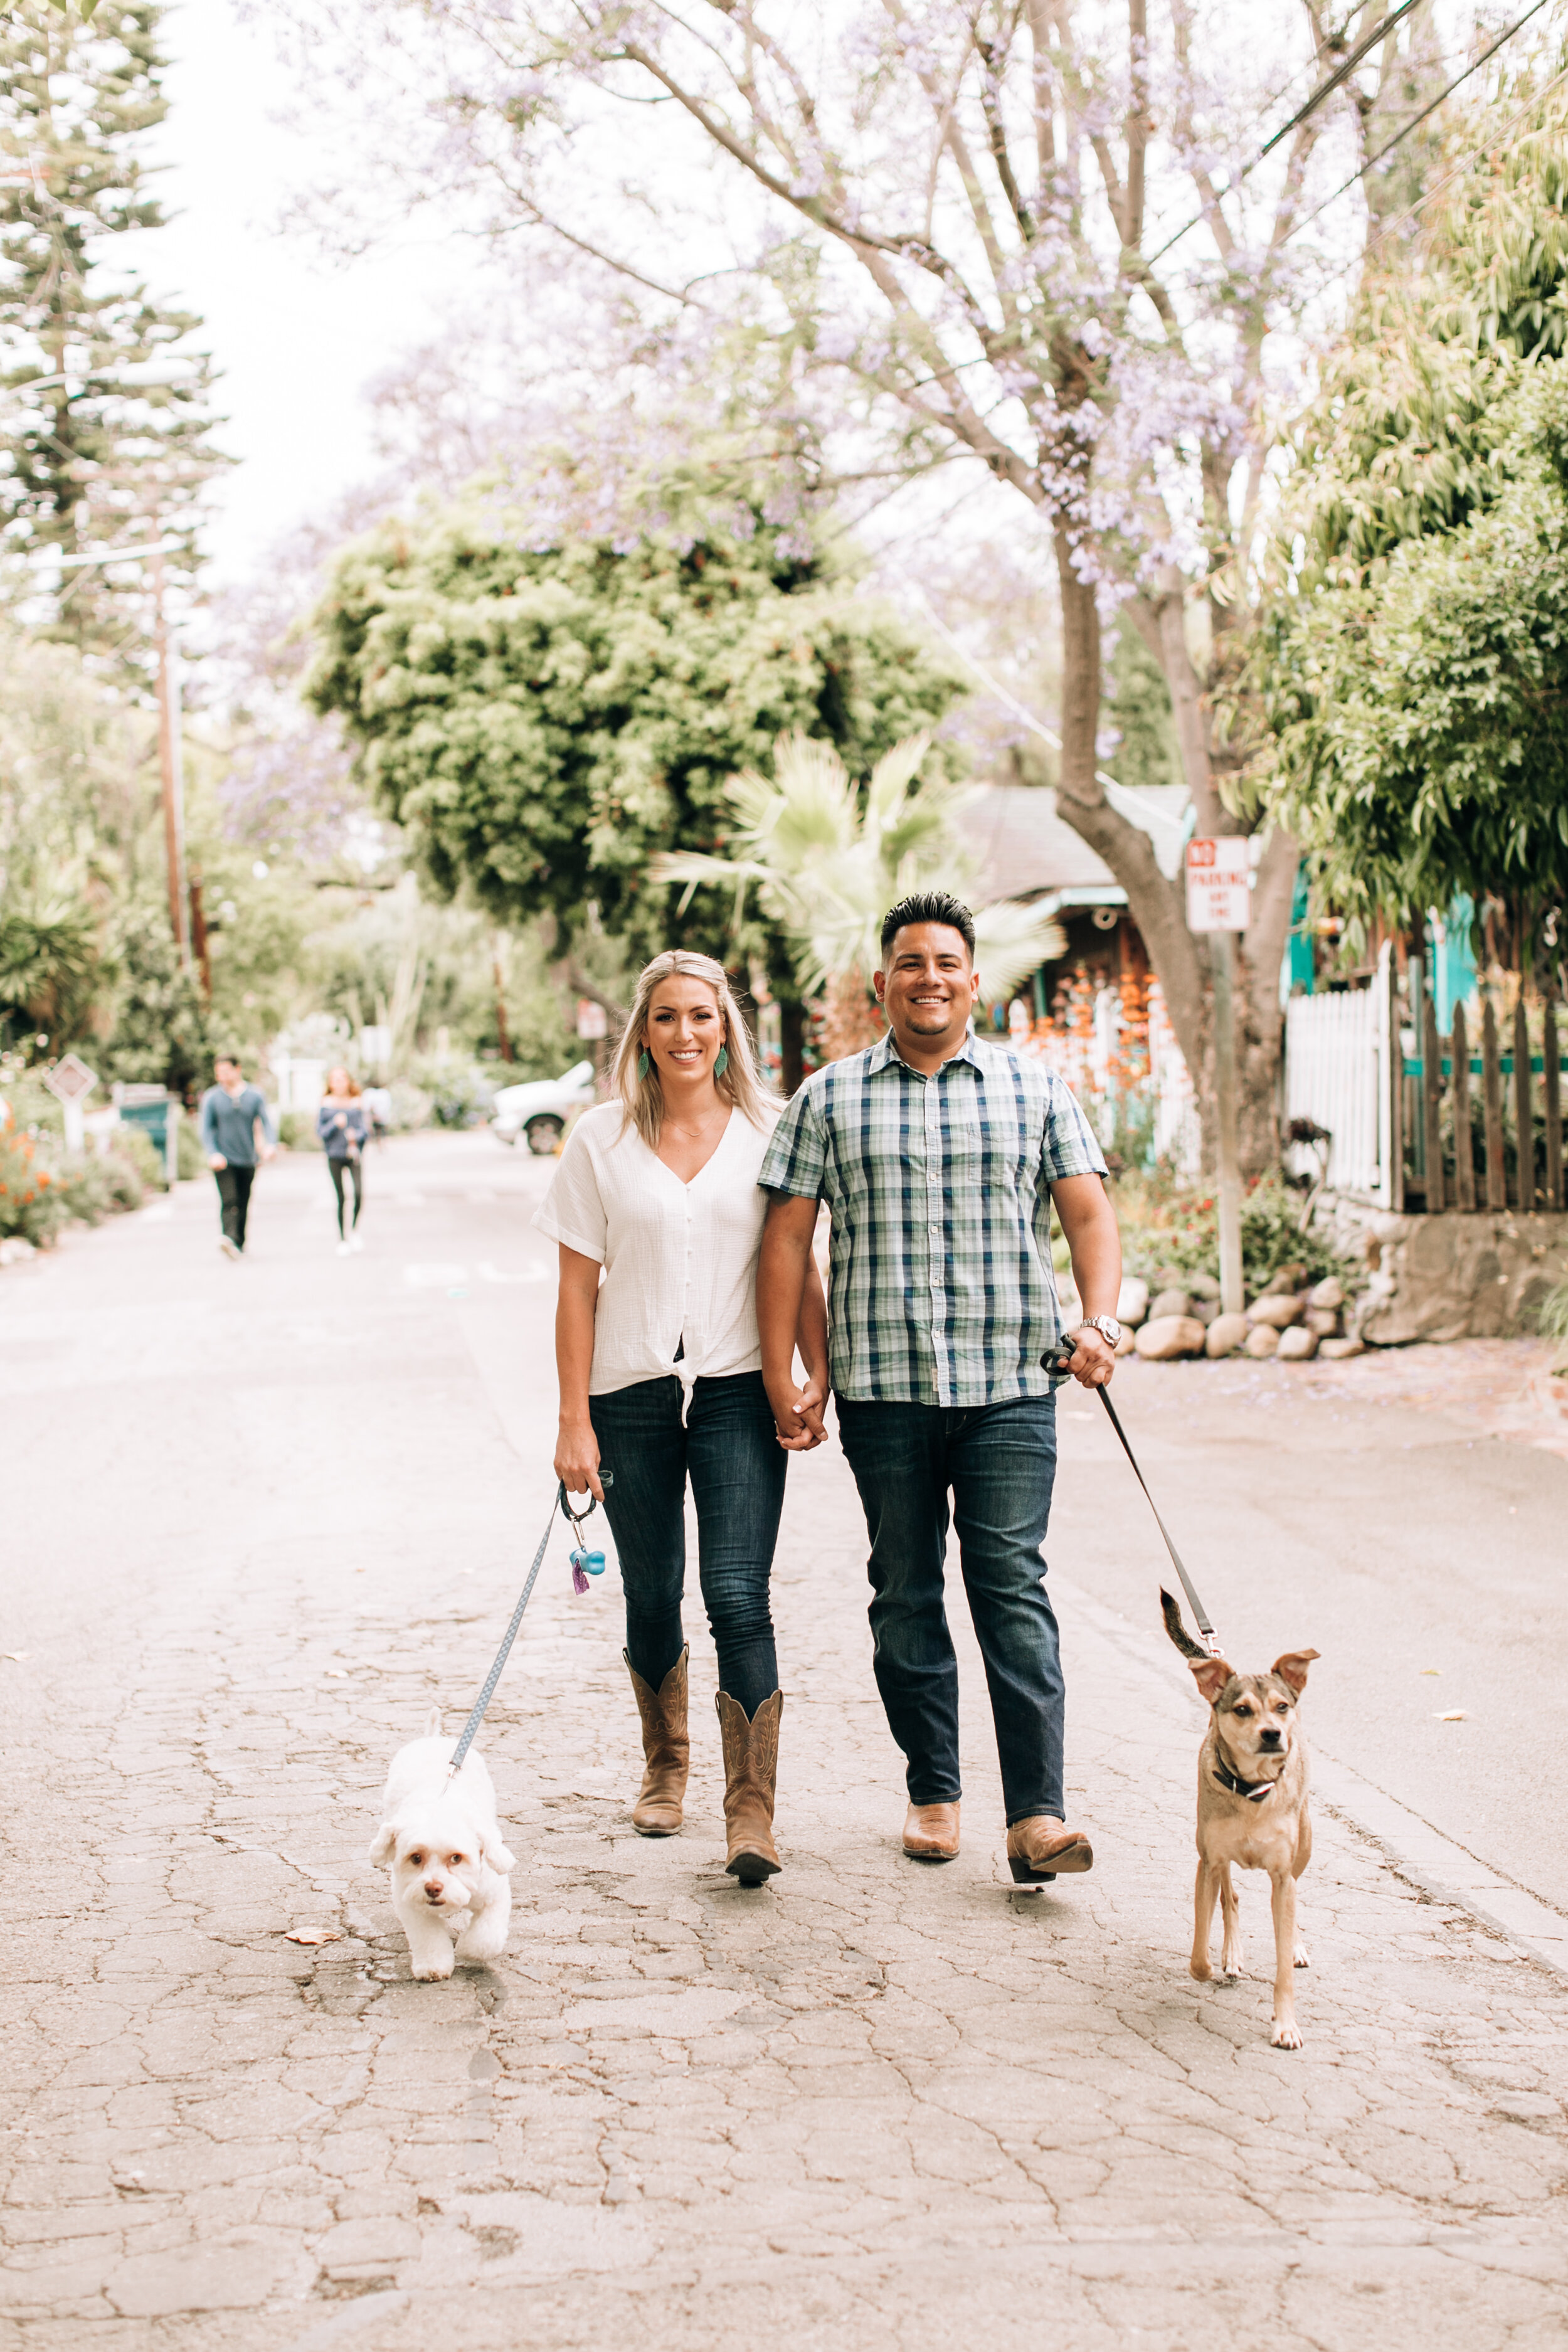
x=541, y=1108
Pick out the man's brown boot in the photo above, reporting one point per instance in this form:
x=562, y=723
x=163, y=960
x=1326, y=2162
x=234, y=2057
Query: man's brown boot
x=1040, y=1847
x=750, y=1774
x=665, y=1751
x=930, y=1832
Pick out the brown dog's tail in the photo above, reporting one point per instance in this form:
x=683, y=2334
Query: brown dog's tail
x=1176, y=1629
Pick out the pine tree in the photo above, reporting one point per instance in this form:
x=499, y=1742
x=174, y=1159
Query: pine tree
x=104, y=439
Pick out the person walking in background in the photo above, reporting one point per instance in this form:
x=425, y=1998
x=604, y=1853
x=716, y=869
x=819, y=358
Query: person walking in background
x=343, y=1124
x=660, y=1378
x=939, y=1158
x=231, y=1115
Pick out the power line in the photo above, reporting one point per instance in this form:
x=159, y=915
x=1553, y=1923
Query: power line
x=1489, y=145
x=1416, y=120
x=1325, y=90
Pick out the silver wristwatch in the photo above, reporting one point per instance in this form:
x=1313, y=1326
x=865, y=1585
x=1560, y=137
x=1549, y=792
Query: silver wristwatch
x=1109, y=1329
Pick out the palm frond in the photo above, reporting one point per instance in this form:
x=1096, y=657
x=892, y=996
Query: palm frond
x=1010, y=943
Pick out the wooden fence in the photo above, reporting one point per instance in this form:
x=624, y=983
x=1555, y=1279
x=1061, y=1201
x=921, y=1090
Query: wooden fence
x=1417, y=1120
x=1478, y=1130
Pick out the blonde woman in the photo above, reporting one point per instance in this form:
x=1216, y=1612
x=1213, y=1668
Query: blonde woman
x=660, y=1376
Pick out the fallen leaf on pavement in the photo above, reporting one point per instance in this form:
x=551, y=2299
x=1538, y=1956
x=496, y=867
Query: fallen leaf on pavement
x=1431, y=1670
x=337, y=1674
x=1454, y=1715
x=15, y=1656
x=313, y=1936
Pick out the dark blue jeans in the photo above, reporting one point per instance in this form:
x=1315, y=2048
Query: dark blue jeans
x=736, y=1465
x=1000, y=1461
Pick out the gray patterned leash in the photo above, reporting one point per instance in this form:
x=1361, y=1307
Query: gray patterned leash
x=576, y=1519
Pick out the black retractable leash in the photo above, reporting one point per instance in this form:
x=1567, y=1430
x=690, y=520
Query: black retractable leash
x=584, y=1564
x=1058, y=1362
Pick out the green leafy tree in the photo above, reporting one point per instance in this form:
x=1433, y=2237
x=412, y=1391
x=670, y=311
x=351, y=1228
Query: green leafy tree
x=1412, y=664
x=543, y=721
x=107, y=426
x=161, y=1034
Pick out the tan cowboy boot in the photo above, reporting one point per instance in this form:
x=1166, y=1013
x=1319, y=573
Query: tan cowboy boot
x=930, y=1832
x=665, y=1751
x=1040, y=1846
x=751, y=1771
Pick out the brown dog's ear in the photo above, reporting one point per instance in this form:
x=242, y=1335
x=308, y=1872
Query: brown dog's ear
x=1292, y=1668
x=1211, y=1676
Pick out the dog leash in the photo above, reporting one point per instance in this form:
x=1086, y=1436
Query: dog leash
x=583, y=1565
x=1210, y=1638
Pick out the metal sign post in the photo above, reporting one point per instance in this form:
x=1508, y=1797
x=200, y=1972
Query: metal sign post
x=70, y=1082
x=1219, y=901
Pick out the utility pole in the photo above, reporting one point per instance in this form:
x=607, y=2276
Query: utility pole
x=1219, y=903
x=1232, y=1290
x=171, y=760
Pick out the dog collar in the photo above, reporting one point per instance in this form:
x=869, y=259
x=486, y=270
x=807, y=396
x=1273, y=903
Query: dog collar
x=1254, y=1792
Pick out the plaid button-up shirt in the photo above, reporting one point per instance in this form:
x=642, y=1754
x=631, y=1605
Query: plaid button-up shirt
x=940, y=1290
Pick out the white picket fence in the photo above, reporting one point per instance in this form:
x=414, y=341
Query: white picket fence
x=1337, y=1075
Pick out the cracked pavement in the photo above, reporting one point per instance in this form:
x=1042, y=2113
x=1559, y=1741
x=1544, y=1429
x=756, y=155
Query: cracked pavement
x=259, y=1518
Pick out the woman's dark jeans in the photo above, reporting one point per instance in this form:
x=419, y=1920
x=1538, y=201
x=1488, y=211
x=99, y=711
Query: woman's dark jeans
x=731, y=1453
x=999, y=1462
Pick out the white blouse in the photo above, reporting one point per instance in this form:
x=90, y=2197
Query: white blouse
x=680, y=1260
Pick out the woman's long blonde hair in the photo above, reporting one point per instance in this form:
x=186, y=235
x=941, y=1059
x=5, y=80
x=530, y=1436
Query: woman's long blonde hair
x=742, y=1083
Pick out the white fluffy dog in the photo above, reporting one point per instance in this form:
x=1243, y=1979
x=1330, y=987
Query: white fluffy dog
x=447, y=1869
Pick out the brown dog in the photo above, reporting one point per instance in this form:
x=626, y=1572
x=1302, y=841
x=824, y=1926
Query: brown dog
x=1252, y=1808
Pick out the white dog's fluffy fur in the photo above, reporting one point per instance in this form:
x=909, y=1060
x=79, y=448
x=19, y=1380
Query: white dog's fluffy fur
x=447, y=1868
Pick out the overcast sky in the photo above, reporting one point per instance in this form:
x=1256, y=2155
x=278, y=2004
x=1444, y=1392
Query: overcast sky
x=296, y=338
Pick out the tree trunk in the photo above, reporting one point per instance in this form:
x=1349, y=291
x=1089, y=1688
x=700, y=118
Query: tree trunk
x=503, y=1035
x=791, y=1043
x=1181, y=960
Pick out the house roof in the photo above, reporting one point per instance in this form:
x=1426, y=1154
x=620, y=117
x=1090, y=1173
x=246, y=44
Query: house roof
x=1026, y=851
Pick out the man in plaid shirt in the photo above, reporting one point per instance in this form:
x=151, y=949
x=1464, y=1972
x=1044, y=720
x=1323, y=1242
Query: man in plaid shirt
x=939, y=1158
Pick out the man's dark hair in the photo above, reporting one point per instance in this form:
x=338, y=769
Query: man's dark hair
x=233, y=1060
x=930, y=907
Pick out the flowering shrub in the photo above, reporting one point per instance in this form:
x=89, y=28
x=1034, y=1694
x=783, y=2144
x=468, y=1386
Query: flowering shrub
x=1178, y=1231
x=31, y=1205
x=41, y=1189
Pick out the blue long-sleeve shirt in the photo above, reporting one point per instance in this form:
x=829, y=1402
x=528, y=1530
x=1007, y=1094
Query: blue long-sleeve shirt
x=228, y=1124
x=343, y=1128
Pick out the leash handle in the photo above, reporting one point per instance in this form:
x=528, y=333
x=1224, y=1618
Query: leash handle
x=1211, y=1639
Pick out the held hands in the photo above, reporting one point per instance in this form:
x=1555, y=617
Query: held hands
x=798, y=1412
x=1093, y=1360
x=577, y=1459
x=217, y=1160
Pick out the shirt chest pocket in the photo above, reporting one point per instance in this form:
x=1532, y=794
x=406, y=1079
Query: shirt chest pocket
x=992, y=1149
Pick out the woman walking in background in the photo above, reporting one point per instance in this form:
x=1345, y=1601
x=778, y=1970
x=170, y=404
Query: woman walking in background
x=660, y=1376
x=343, y=1123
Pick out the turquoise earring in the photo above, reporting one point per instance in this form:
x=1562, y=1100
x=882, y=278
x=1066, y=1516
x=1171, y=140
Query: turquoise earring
x=642, y=1063
x=721, y=1061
